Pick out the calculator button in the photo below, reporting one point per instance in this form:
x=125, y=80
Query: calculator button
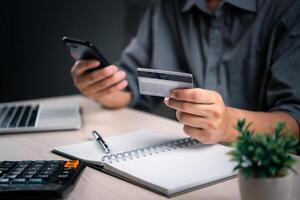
x=37, y=165
x=7, y=164
x=35, y=180
x=53, y=165
x=4, y=169
x=23, y=164
x=19, y=180
x=50, y=173
x=72, y=164
x=43, y=176
x=11, y=176
x=20, y=169
x=67, y=172
x=63, y=176
x=32, y=172
x=4, y=180
x=17, y=172
x=28, y=176
x=49, y=170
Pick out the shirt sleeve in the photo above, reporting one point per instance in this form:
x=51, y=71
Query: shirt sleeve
x=283, y=92
x=138, y=54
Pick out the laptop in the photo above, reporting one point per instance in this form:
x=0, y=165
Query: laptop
x=30, y=117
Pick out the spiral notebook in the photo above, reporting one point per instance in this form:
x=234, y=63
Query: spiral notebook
x=164, y=163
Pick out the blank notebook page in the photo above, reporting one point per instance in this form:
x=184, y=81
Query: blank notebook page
x=178, y=169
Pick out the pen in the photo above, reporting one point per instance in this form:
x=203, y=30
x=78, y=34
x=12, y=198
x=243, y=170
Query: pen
x=100, y=141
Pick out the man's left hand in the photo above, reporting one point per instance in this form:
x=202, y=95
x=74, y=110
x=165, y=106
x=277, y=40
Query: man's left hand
x=203, y=113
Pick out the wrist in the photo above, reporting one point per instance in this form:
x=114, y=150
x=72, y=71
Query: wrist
x=116, y=100
x=230, y=134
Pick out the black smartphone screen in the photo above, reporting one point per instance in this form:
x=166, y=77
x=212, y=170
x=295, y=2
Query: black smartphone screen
x=84, y=50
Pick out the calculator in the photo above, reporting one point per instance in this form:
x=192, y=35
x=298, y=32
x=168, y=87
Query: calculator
x=39, y=179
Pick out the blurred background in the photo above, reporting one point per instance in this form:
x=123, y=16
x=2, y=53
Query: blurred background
x=34, y=61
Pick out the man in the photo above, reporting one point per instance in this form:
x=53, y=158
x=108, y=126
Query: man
x=244, y=56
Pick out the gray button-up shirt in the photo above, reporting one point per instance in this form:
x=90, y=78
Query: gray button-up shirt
x=247, y=50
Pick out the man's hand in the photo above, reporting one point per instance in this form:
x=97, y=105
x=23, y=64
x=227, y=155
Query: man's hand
x=102, y=85
x=202, y=112
x=206, y=118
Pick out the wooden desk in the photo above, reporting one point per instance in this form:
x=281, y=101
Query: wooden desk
x=95, y=184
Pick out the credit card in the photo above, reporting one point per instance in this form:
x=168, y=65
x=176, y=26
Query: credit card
x=159, y=83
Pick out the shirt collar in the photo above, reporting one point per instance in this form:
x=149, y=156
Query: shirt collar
x=249, y=5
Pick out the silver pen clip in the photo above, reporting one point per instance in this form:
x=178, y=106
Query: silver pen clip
x=99, y=140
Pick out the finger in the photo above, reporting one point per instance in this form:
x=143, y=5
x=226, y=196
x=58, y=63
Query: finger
x=106, y=83
x=81, y=66
x=189, y=107
x=118, y=87
x=89, y=78
x=193, y=120
x=196, y=95
x=201, y=135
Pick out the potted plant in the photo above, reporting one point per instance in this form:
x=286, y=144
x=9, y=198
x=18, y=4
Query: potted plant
x=264, y=162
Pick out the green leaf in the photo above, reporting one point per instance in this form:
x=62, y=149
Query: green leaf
x=262, y=154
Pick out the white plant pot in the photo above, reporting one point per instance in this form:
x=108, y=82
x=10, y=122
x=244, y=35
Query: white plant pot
x=265, y=188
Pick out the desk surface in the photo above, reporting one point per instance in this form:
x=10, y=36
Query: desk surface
x=94, y=184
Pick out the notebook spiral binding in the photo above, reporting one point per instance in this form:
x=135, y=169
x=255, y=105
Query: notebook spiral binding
x=148, y=151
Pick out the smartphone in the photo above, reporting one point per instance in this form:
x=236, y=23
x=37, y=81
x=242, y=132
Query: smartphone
x=84, y=50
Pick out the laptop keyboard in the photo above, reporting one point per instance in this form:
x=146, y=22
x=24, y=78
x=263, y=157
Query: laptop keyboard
x=18, y=116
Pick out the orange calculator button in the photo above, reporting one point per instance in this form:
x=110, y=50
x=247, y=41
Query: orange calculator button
x=72, y=164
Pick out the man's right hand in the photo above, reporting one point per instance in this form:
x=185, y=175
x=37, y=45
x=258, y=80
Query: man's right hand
x=102, y=85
